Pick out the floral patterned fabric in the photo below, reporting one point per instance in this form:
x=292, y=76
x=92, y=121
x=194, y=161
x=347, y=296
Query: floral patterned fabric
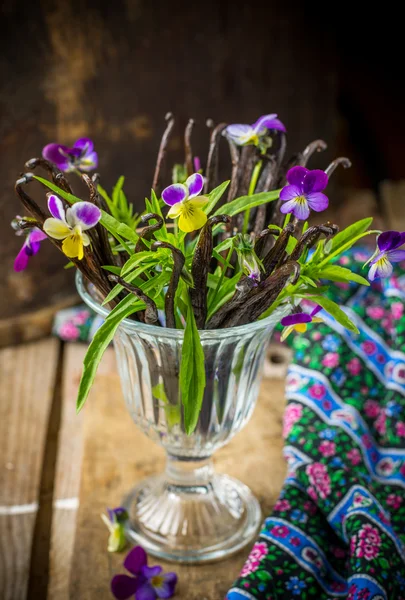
x=338, y=527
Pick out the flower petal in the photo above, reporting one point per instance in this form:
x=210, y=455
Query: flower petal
x=166, y=590
x=299, y=208
x=315, y=181
x=389, y=240
x=396, y=255
x=85, y=214
x=240, y=134
x=146, y=592
x=123, y=586
x=296, y=318
x=296, y=176
x=56, y=153
x=85, y=145
x=85, y=239
x=317, y=201
x=175, y=211
x=381, y=268
x=56, y=229
x=89, y=162
x=73, y=246
x=191, y=220
x=316, y=310
x=56, y=207
x=289, y=192
x=36, y=235
x=21, y=260
x=174, y=193
x=135, y=560
x=268, y=122
x=195, y=184
x=150, y=572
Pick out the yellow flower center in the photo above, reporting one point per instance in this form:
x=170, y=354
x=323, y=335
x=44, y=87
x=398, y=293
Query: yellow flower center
x=301, y=200
x=157, y=581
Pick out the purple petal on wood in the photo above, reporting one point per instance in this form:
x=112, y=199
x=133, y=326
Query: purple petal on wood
x=56, y=207
x=396, y=255
x=135, y=560
x=289, y=192
x=166, y=590
x=296, y=319
x=296, y=176
x=174, y=193
x=57, y=154
x=21, y=260
x=146, y=592
x=85, y=145
x=317, y=201
x=150, y=572
x=389, y=240
x=195, y=184
x=85, y=214
x=123, y=586
x=268, y=122
x=315, y=181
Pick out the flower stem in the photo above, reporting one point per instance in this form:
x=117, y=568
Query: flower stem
x=252, y=187
x=224, y=268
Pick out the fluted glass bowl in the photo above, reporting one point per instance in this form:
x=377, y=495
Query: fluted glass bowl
x=189, y=513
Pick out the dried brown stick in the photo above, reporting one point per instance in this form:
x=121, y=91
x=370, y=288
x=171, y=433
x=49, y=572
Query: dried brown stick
x=311, y=236
x=212, y=160
x=179, y=260
x=58, y=177
x=315, y=146
x=200, y=268
x=162, y=149
x=187, y=146
x=148, y=231
x=342, y=160
x=272, y=258
x=151, y=312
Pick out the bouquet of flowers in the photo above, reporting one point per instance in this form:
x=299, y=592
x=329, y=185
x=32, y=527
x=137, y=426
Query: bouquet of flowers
x=203, y=254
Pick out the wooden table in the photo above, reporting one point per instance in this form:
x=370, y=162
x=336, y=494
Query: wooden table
x=60, y=471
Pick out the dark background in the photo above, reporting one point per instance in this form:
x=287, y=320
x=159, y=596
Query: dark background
x=112, y=70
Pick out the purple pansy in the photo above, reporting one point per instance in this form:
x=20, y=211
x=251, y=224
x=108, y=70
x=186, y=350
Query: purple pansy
x=148, y=583
x=81, y=157
x=181, y=197
x=304, y=192
x=243, y=135
x=387, y=253
x=117, y=517
x=30, y=248
x=299, y=321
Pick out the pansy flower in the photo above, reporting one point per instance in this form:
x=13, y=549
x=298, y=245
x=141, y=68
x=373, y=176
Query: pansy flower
x=249, y=263
x=29, y=248
x=115, y=522
x=299, y=322
x=81, y=157
x=304, y=192
x=245, y=135
x=387, y=253
x=147, y=583
x=71, y=225
x=181, y=197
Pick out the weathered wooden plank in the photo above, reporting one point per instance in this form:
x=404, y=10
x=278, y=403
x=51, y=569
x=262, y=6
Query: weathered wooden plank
x=117, y=455
x=67, y=476
x=27, y=375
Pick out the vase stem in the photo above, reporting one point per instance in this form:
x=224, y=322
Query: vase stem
x=189, y=474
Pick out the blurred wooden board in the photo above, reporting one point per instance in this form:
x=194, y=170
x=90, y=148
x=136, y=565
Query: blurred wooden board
x=117, y=455
x=27, y=375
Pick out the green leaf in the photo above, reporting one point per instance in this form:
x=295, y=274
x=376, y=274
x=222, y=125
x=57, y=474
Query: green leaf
x=113, y=226
x=214, y=197
x=192, y=373
x=334, y=309
x=247, y=202
x=95, y=351
x=224, y=245
x=350, y=232
x=337, y=273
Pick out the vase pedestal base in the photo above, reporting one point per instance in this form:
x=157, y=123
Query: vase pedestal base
x=208, y=518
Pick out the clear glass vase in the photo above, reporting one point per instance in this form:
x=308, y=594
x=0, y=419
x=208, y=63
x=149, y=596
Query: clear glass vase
x=189, y=513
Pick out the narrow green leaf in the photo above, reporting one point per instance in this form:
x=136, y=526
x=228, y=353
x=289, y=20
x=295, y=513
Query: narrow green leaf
x=214, y=197
x=95, y=351
x=337, y=273
x=336, y=312
x=247, y=202
x=192, y=373
x=346, y=246
x=350, y=232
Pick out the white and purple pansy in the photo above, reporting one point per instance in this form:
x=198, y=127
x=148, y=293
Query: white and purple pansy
x=70, y=225
x=29, y=248
x=80, y=157
x=387, y=253
x=245, y=135
x=299, y=321
x=181, y=197
x=304, y=192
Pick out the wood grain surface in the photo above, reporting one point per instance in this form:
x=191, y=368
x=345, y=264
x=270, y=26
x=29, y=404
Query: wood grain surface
x=27, y=376
x=117, y=455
